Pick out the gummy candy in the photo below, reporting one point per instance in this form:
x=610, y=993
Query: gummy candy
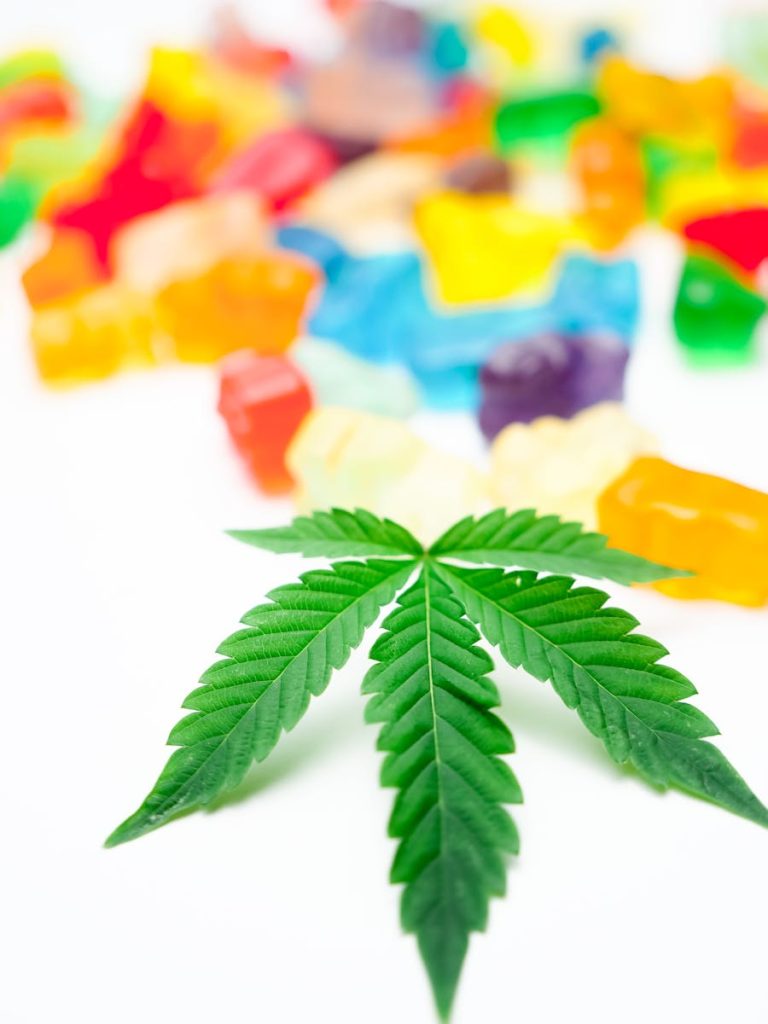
x=253, y=302
x=487, y=247
x=68, y=266
x=711, y=526
x=92, y=335
x=279, y=167
x=322, y=249
x=740, y=235
x=560, y=467
x=506, y=31
x=338, y=378
x=543, y=119
x=645, y=103
x=186, y=238
x=479, y=172
x=608, y=166
x=448, y=48
x=593, y=294
x=715, y=315
x=263, y=400
x=18, y=202
x=351, y=459
x=552, y=374
x=596, y=43
x=371, y=200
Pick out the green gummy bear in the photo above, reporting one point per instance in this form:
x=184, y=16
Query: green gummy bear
x=544, y=121
x=715, y=316
x=18, y=204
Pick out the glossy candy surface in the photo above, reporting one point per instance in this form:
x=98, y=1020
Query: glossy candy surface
x=550, y=375
x=351, y=459
x=263, y=400
x=247, y=302
x=711, y=526
x=560, y=467
x=715, y=316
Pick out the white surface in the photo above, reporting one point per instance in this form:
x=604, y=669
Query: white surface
x=116, y=584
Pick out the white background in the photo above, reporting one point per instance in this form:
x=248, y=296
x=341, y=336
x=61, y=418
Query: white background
x=116, y=584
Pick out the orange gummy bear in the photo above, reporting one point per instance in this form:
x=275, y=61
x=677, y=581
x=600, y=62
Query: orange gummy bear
x=69, y=265
x=92, y=335
x=254, y=302
x=712, y=526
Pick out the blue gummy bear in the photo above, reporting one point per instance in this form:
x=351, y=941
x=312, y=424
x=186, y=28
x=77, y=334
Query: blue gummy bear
x=596, y=43
x=359, y=306
x=593, y=294
x=447, y=48
x=321, y=248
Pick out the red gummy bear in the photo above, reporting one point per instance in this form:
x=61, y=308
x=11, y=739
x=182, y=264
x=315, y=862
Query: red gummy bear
x=740, y=235
x=280, y=166
x=159, y=161
x=263, y=400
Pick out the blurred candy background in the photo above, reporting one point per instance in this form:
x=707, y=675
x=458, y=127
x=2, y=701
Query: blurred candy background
x=423, y=260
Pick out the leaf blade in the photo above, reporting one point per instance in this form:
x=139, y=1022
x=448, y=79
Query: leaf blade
x=619, y=691
x=546, y=544
x=264, y=684
x=429, y=689
x=337, y=533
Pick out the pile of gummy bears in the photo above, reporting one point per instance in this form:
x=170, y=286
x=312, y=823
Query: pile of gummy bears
x=355, y=237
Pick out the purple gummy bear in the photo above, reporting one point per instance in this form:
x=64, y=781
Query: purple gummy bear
x=550, y=375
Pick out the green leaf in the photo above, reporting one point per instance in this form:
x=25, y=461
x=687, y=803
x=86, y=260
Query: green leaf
x=545, y=544
x=433, y=694
x=608, y=674
x=264, y=683
x=334, y=534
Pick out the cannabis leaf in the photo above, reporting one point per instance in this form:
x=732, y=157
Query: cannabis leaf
x=264, y=684
x=546, y=544
x=333, y=534
x=608, y=674
x=430, y=689
x=433, y=694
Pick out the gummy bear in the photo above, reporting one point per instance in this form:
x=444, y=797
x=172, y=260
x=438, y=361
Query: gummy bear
x=92, y=335
x=477, y=173
x=715, y=316
x=551, y=374
x=372, y=199
x=68, y=266
x=263, y=400
x=544, y=120
x=714, y=527
x=279, y=167
x=608, y=166
x=487, y=247
x=253, y=302
x=186, y=238
x=322, y=249
x=18, y=202
x=560, y=467
x=597, y=295
x=352, y=459
x=739, y=235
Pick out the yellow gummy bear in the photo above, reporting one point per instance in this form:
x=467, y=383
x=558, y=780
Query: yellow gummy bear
x=488, y=247
x=560, y=467
x=93, y=335
x=505, y=30
x=352, y=459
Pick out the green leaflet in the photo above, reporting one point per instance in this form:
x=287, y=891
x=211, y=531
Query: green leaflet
x=432, y=692
x=545, y=544
x=608, y=674
x=334, y=534
x=264, y=684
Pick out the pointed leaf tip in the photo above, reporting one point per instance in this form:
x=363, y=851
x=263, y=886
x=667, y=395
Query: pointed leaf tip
x=333, y=534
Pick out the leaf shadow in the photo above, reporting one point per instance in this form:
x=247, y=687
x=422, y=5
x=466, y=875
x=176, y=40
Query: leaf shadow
x=313, y=739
